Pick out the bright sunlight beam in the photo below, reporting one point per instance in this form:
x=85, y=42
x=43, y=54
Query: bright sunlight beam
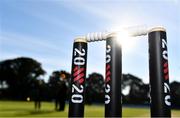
x=125, y=40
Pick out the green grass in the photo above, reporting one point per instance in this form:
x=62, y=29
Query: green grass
x=26, y=109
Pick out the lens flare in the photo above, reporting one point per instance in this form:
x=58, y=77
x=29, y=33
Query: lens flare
x=125, y=40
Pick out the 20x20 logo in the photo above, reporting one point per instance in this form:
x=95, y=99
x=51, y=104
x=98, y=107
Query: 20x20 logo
x=165, y=73
x=78, y=75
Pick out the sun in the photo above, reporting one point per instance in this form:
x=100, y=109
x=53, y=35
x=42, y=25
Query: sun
x=125, y=41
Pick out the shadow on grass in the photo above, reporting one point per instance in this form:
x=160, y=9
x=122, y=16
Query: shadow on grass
x=33, y=112
x=40, y=112
x=11, y=110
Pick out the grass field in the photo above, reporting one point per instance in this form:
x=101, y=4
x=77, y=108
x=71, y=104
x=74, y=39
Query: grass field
x=26, y=109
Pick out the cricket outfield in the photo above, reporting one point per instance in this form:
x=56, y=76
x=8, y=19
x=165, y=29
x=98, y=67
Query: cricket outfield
x=26, y=109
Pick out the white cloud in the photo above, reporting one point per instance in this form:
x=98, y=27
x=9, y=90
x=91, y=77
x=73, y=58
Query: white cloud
x=106, y=11
x=29, y=43
x=39, y=11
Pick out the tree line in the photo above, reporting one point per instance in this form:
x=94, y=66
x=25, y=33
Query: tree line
x=20, y=78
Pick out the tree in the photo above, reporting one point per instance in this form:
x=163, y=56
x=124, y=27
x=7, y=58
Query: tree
x=94, y=88
x=20, y=73
x=175, y=94
x=134, y=90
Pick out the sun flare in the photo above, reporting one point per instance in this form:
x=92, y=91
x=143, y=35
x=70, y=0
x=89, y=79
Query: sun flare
x=125, y=40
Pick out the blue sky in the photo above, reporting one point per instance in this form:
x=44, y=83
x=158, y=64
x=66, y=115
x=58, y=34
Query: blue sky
x=45, y=30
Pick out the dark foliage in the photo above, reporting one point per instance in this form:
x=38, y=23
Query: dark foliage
x=21, y=78
x=20, y=74
x=136, y=92
x=175, y=94
x=94, y=88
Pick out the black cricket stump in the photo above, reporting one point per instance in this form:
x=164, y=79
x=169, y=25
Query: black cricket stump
x=78, y=76
x=159, y=74
x=113, y=105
